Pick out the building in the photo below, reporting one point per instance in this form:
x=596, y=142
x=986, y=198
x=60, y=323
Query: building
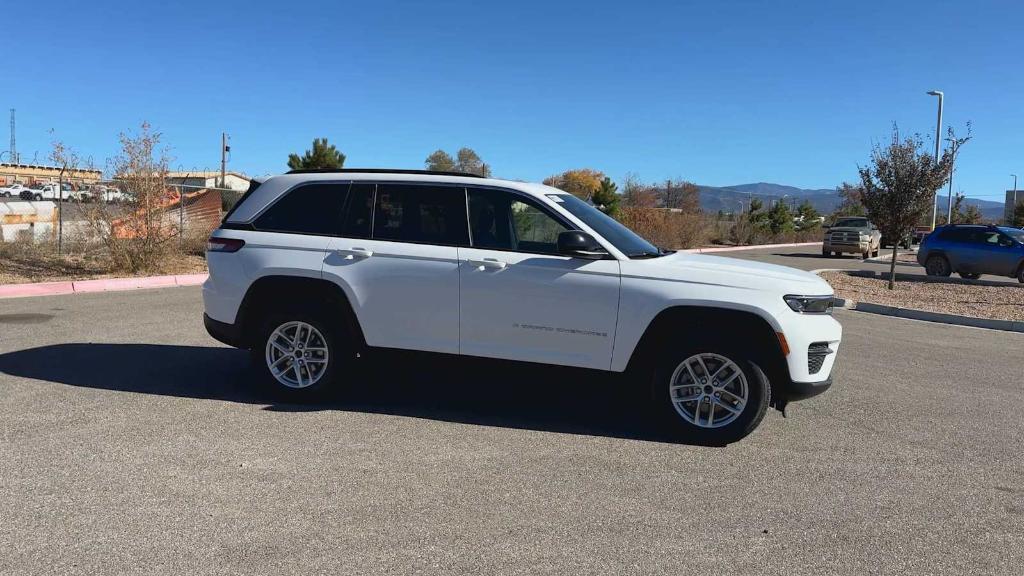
x=32, y=174
x=1010, y=201
x=211, y=179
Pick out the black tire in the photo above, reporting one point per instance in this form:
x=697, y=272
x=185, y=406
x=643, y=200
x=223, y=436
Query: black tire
x=875, y=253
x=37, y=197
x=825, y=253
x=1020, y=274
x=937, y=265
x=678, y=427
x=969, y=275
x=340, y=351
x=865, y=255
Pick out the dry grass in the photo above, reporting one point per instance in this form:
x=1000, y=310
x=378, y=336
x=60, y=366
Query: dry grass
x=977, y=298
x=23, y=262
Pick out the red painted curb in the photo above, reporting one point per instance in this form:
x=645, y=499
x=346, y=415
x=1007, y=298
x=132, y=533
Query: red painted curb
x=36, y=289
x=98, y=285
x=115, y=284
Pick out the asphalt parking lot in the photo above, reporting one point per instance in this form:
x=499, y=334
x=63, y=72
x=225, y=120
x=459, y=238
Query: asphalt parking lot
x=810, y=258
x=133, y=443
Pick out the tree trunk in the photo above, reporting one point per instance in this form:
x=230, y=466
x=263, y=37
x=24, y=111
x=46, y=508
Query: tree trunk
x=892, y=266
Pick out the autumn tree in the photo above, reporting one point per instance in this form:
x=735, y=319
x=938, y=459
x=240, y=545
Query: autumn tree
x=322, y=156
x=637, y=194
x=582, y=183
x=440, y=161
x=468, y=161
x=899, y=185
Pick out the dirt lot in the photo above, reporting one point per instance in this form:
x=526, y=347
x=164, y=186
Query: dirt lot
x=20, y=264
x=978, y=298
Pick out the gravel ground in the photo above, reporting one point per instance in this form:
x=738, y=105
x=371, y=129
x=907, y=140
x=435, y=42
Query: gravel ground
x=978, y=298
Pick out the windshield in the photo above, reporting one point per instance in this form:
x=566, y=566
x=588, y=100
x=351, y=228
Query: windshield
x=1015, y=233
x=852, y=223
x=627, y=241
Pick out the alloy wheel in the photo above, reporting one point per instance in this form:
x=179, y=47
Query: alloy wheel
x=708, y=390
x=297, y=354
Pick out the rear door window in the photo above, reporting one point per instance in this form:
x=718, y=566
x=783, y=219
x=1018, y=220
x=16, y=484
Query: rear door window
x=422, y=214
x=313, y=209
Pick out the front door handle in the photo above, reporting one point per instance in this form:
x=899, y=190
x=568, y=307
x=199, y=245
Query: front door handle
x=487, y=263
x=356, y=252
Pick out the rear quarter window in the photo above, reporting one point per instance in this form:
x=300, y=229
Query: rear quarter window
x=313, y=209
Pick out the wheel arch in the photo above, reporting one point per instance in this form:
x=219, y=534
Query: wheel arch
x=266, y=292
x=763, y=337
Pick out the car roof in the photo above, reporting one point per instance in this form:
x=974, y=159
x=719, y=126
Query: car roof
x=271, y=188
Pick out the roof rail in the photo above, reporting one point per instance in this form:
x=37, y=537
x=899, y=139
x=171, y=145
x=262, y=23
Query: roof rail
x=381, y=171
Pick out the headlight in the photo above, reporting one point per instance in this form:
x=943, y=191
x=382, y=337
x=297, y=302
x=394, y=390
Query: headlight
x=810, y=304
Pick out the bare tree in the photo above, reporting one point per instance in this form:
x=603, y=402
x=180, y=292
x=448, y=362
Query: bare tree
x=900, y=183
x=682, y=195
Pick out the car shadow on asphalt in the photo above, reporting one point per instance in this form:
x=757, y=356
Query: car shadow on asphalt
x=469, y=391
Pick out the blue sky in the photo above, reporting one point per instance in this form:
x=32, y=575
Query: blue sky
x=717, y=92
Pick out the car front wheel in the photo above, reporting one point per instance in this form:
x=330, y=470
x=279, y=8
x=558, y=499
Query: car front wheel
x=710, y=395
x=299, y=355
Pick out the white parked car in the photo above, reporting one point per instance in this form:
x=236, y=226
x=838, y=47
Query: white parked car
x=313, y=270
x=12, y=191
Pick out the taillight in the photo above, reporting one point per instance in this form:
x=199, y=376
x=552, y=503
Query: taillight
x=224, y=244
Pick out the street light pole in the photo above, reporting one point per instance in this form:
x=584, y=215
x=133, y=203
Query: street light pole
x=938, y=142
x=1014, y=207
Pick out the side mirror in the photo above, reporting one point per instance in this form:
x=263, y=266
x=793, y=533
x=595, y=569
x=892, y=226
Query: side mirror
x=580, y=245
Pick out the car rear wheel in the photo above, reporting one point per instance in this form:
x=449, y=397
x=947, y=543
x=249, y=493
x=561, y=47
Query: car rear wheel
x=37, y=197
x=1020, y=274
x=710, y=394
x=937, y=266
x=299, y=355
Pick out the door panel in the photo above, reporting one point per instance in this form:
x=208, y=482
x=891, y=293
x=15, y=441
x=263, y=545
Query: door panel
x=538, y=308
x=404, y=295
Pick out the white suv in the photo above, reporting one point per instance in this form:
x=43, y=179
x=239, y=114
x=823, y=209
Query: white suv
x=312, y=269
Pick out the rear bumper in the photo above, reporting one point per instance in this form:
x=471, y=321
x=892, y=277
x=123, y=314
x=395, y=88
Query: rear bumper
x=224, y=332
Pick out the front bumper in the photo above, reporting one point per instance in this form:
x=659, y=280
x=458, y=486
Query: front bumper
x=804, y=390
x=858, y=248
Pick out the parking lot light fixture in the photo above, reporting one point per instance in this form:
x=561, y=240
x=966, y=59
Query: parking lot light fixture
x=938, y=142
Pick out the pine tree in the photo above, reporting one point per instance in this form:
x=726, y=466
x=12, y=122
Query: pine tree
x=323, y=156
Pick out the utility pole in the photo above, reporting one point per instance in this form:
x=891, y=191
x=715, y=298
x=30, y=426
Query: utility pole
x=14, y=146
x=223, y=157
x=938, y=142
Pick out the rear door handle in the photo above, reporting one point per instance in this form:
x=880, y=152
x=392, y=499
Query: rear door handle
x=487, y=263
x=356, y=252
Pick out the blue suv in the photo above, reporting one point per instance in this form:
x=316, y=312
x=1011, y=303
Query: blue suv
x=973, y=250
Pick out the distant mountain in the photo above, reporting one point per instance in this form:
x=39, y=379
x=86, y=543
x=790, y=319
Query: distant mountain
x=824, y=200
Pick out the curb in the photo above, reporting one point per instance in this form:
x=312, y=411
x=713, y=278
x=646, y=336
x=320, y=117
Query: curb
x=910, y=313
x=100, y=285
x=751, y=247
x=924, y=315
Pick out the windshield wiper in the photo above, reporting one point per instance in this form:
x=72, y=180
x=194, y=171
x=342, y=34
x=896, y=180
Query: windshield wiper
x=646, y=254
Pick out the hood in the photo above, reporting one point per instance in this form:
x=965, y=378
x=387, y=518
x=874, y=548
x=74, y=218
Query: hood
x=733, y=272
x=849, y=229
